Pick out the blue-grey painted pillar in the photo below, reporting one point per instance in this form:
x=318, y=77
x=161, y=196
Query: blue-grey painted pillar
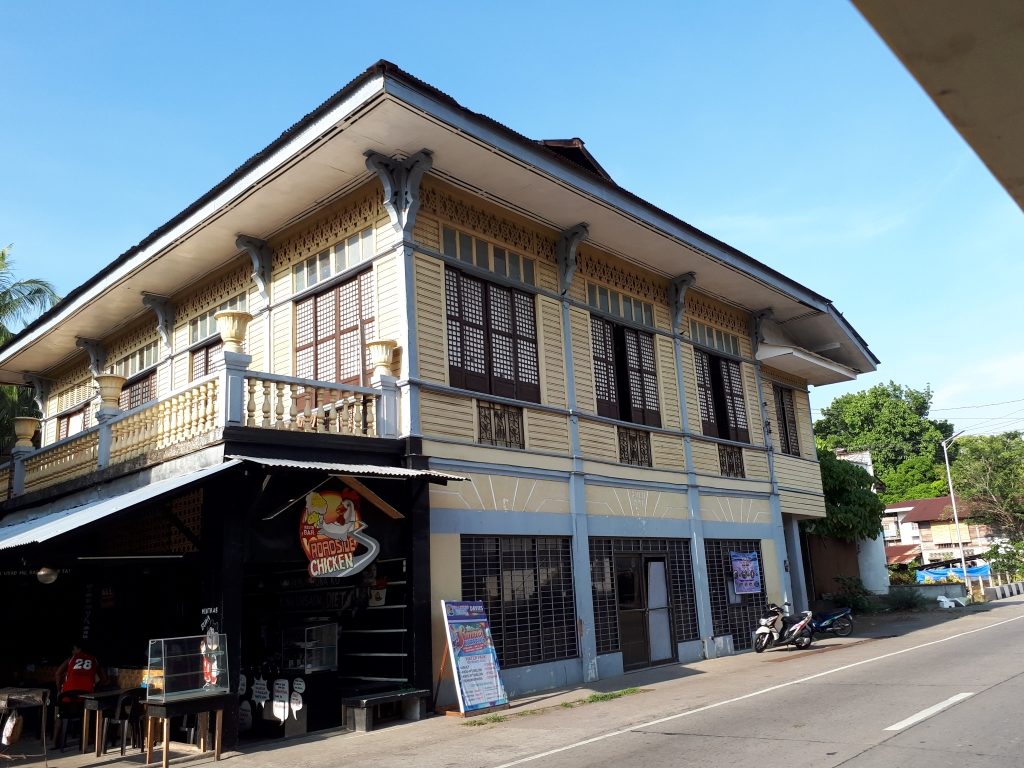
x=581, y=576
x=698, y=555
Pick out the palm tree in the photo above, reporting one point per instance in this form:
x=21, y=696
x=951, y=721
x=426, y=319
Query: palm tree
x=20, y=302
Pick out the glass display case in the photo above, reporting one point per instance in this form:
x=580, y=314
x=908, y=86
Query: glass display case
x=187, y=667
x=312, y=648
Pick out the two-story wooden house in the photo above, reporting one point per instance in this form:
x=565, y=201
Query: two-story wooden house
x=535, y=388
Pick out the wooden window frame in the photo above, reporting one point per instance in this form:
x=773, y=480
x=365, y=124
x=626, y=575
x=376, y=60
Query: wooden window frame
x=625, y=369
x=320, y=339
x=138, y=391
x=723, y=411
x=785, y=420
x=493, y=345
x=206, y=359
x=64, y=421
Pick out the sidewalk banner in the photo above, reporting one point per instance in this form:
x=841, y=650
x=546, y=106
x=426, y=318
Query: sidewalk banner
x=745, y=573
x=474, y=660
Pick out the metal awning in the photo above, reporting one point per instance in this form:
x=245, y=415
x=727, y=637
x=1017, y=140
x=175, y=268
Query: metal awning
x=354, y=470
x=29, y=529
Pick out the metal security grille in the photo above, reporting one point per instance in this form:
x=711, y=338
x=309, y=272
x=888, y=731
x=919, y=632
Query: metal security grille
x=733, y=614
x=500, y=425
x=681, y=589
x=635, y=447
x=525, y=584
x=730, y=461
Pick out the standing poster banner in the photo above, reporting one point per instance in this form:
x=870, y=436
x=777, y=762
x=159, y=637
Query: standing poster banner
x=474, y=660
x=745, y=573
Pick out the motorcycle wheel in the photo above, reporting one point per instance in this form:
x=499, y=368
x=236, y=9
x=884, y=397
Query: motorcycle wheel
x=804, y=639
x=761, y=642
x=842, y=626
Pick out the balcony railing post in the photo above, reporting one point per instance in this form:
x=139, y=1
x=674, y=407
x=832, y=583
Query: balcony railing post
x=387, y=405
x=18, y=454
x=234, y=396
x=104, y=443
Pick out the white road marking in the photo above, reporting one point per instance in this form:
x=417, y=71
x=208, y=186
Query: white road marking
x=925, y=713
x=780, y=686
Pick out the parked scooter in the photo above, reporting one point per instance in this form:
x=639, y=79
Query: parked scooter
x=836, y=623
x=778, y=629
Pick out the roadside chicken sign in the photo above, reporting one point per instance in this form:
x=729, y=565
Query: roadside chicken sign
x=332, y=533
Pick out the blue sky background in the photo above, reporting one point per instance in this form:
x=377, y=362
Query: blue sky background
x=788, y=130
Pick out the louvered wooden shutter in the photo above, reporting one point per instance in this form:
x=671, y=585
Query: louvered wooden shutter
x=705, y=393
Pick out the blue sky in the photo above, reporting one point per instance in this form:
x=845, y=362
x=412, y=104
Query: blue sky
x=786, y=129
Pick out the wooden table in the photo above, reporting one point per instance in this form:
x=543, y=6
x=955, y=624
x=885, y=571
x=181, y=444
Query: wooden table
x=26, y=698
x=99, y=702
x=196, y=705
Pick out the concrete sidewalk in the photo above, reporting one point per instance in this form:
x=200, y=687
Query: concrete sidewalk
x=567, y=714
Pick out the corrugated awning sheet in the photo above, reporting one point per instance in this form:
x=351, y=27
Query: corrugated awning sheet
x=54, y=523
x=355, y=470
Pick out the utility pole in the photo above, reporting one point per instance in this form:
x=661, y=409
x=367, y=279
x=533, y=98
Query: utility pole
x=956, y=518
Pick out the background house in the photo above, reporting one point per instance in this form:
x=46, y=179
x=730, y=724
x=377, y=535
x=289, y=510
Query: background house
x=923, y=529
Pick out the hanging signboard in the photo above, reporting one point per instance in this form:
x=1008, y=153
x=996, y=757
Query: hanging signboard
x=474, y=660
x=745, y=573
x=333, y=535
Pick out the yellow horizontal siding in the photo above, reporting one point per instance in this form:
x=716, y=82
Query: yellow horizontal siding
x=384, y=235
x=667, y=451
x=705, y=457
x=426, y=232
x=669, y=383
x=431, y=327
x=755, y=464
x=791, y=472
x=552, y=360
x=280, y=285
x=546, y=431
x=582, y=360
x=254, y=344
x=547, y=276
x=447, y=416
x=802, y=504
x=598, y=441
x=390, y=306
x=804, y=430
x=281, y=319
x=662, y=318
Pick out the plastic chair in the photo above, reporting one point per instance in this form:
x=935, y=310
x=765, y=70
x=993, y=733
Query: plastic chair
x=70, y=707
x=127, y=715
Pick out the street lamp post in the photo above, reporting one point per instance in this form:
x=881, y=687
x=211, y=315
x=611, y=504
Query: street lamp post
x=956, y=518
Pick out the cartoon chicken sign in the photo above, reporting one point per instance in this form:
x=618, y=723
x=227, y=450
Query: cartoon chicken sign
x=332, y=534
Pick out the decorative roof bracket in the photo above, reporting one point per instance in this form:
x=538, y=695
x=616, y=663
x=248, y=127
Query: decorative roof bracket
x=40, y=389
x=568, y=242
x=262, y=256
x=401, y=180
x=97, y=354
x=677, y=296
x=164, y=311
x=757, y=322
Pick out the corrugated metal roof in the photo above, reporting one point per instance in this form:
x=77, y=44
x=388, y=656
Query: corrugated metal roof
x=54, y=523
x=356, y=470
x=927, y=510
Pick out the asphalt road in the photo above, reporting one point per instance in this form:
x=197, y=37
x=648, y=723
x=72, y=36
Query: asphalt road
x=935, y=690
x=954, y=698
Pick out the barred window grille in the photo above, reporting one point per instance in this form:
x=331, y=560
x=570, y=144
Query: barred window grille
x=730, y=461
x=733, y=614
x=635, y=447
x=500, y=425
x=682, y=597
x=525, y=584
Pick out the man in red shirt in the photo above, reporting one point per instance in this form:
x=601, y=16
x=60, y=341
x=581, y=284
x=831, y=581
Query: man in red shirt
x=80, y=672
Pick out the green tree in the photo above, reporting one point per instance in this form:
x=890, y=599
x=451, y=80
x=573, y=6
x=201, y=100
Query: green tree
x=892, y=422
x=989, y=476
x=852, y=511
x=20, y=302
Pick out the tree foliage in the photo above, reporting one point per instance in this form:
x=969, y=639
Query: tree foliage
x=989, y=476
x=852, y=511
x=892, y=422
x=20, y=302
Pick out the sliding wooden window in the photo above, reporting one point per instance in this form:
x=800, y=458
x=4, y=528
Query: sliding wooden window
x=331, y=331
